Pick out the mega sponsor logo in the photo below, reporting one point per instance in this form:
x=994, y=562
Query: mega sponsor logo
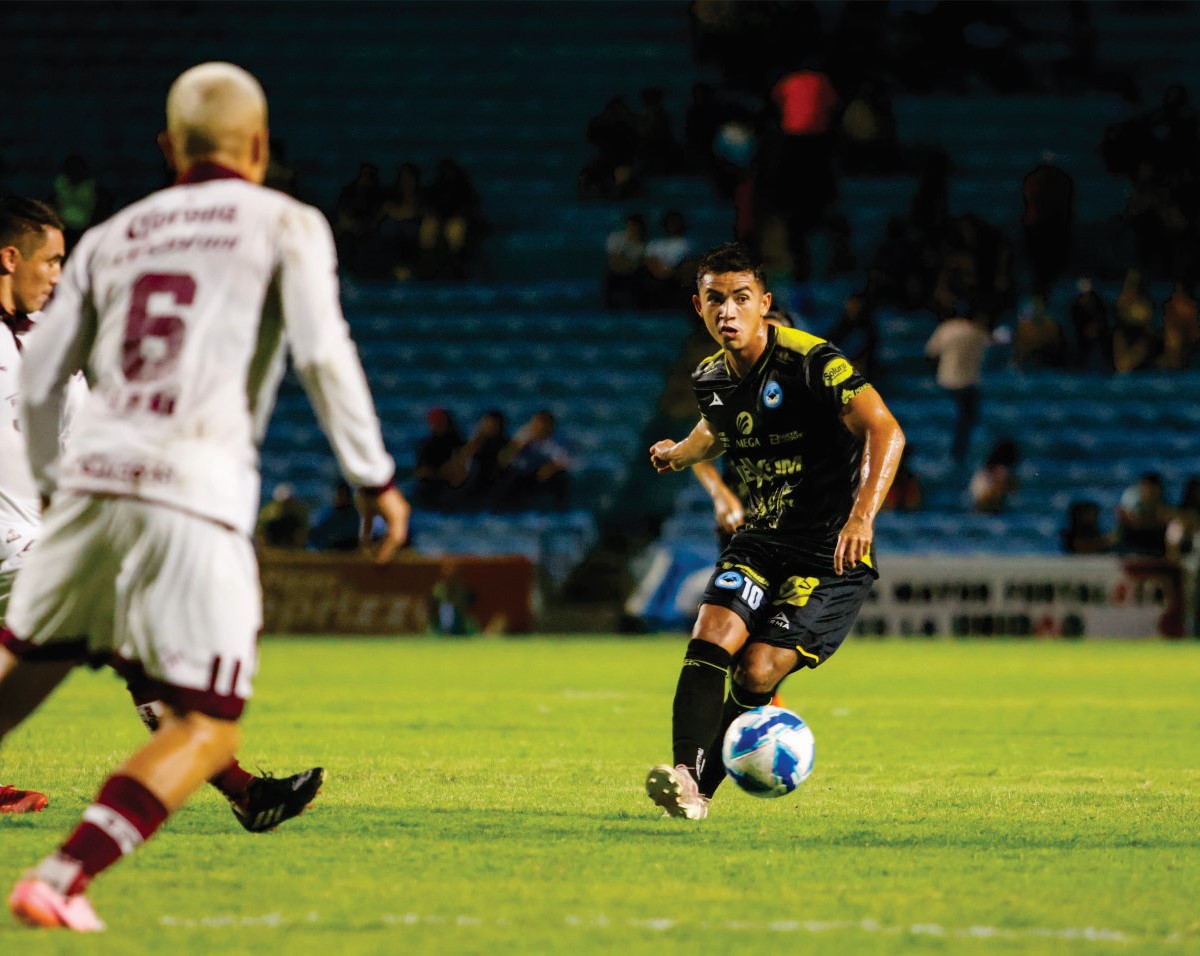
x=745, y=423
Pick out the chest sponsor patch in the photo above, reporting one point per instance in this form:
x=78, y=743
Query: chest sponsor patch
x=745, y=423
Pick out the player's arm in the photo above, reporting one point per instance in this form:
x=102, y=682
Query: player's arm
x=727, y=507
x=701, y=445
x=329, y=368
x=868, y=418
x=54, y=351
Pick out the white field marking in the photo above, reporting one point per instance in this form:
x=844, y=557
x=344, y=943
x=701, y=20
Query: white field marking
x=666, y=924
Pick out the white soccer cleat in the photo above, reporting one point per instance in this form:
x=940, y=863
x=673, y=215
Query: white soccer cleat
x=35, y=903
x=675, y=790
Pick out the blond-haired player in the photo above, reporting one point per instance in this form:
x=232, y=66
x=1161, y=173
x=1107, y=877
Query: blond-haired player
x=180, y=310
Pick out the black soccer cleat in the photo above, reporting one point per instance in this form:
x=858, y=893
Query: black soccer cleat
x=270, y=801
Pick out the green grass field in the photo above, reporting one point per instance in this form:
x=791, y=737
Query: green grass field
x=485, y=796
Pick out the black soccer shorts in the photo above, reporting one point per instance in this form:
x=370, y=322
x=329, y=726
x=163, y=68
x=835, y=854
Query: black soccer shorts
x=785, y=602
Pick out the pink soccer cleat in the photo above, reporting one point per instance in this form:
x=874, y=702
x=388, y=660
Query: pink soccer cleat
x=675, y=790
x=35, y=903
x=13, y=800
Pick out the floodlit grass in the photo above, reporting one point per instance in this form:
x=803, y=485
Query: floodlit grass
x=485, y=796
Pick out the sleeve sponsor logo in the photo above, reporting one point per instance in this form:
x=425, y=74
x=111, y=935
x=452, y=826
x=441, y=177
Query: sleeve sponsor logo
x=836, y=372
x=851, y=392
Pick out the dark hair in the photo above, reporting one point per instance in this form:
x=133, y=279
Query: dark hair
x=21, y=219
x=730, y=257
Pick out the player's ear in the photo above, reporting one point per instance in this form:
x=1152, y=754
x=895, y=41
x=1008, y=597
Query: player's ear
x=766, y=303
x=168, y=149
x=8, y=259
x=696, y=304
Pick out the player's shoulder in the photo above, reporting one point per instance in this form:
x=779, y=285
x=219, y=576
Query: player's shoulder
x=797, y=341
x=711, y=369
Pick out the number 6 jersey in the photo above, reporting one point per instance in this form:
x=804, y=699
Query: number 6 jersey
x=179, y=309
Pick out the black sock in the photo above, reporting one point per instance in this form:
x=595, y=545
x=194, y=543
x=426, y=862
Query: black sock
x=737, y=703
x=697, y=711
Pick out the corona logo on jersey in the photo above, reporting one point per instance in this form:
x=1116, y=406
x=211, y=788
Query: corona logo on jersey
x=745, y=423
x=837, y=372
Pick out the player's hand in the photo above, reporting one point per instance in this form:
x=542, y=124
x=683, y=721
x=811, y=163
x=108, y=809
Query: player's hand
x=394, y=508
x=853, y=543
x=728, y=510
x=660, y=456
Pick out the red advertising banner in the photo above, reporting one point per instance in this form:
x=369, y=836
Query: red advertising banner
x=307, y=593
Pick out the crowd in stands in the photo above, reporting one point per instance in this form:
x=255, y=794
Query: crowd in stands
x=491, y=470
x=411, y=228
x=1146, y=524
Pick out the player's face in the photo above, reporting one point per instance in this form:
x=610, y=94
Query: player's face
x=734, y=307
x=35, y=276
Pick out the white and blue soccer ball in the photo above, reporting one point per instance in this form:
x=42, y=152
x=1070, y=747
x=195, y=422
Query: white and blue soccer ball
x=768, y=751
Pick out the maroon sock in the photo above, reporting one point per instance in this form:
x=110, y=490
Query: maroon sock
x=123, y=817
x=232, y=781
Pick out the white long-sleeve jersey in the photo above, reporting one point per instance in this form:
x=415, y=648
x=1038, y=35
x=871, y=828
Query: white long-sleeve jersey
x=18, y=492
x=179, y=310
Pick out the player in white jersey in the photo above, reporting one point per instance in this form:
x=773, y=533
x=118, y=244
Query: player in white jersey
x=178, y=309
x=31, y=255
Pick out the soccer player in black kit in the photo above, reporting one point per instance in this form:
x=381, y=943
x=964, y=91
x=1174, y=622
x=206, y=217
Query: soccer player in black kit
x=817, y=450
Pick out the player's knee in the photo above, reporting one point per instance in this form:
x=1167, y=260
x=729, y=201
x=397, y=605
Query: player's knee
x=218, y=737
x=756, y=676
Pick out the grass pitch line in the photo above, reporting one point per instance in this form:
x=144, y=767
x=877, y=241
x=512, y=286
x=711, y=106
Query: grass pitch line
x=666, y=924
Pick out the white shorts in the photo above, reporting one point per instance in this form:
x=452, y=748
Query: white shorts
x=15, y=542
x=172, y=601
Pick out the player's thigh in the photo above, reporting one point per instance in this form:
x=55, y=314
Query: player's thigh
x=813, y=613
x=189, y=609
x=740, y=586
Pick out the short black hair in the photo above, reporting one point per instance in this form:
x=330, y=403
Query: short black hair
x=730, y=257
x=21, y=219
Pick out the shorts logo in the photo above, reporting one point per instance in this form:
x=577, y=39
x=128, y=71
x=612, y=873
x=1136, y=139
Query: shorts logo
x=837, y=372
x=780, y=620
x=797, y=590
x=772, y=394
x=729, y=581
x=745, y=423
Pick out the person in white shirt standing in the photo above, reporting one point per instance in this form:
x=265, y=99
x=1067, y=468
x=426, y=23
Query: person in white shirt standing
x=31, y=257
x=179, y=309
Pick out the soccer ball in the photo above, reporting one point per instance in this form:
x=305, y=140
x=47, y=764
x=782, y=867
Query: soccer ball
x=768, y=751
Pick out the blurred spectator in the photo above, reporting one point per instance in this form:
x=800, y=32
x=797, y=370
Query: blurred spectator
x=356, y=218
x=1093, y=337
x=283, y=521
x=867, y=143
x=976, y=265
x=700, y=127
x=958, y=345
x=439, y=470
x=1183, y=530
x=1142, y=516
x=451, y=604
x=796, y=175
x=625, y=269
x=480, y=458
x=658, y=150
x=452, y=223
x=857, y=333
x=337, y=526
x=1161, y=227
x=995, y=479
x=1181, y=330
x=905, y=493
x=1048, y=219
x=79, y=199
x=612, y=171
x=1135, y=340
x=1082, y=535
x=281, y=175
x=1038, y=341
x=403, y=211
x=895, y=274
x=668, y=263
x=536, y=468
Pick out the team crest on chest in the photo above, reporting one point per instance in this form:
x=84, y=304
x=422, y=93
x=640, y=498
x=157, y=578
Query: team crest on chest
x=772, y=394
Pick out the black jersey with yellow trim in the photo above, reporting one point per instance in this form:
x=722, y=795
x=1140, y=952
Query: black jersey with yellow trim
x=784, y=438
